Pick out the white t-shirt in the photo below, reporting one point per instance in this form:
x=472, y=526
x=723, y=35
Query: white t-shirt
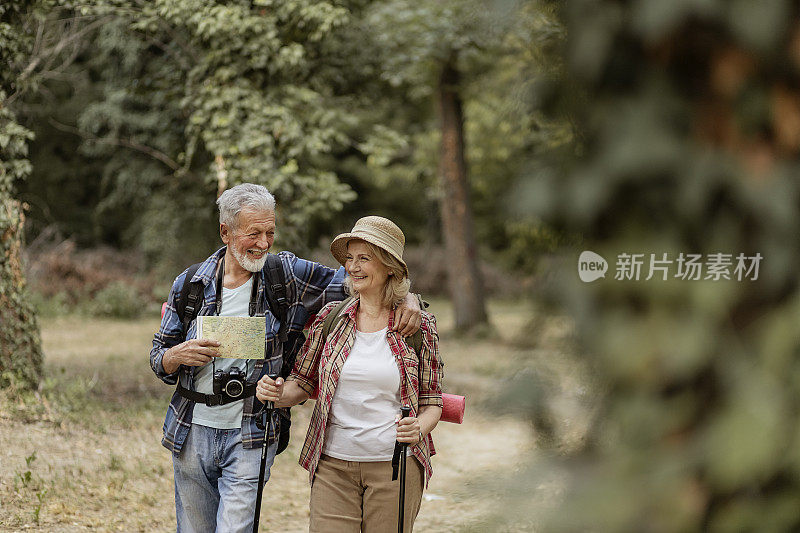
x=235, y=302
x=361, y=423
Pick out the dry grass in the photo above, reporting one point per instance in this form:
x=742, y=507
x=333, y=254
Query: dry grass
x=89, y=457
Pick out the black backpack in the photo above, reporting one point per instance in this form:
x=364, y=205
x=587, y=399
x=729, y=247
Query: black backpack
x=190, y=300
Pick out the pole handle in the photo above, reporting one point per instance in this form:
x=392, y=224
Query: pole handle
x=269, y=406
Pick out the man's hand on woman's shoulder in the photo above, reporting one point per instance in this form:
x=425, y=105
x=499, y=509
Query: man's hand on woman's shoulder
x=408, y=317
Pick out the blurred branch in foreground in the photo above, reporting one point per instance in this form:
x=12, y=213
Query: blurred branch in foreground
x=689, y=136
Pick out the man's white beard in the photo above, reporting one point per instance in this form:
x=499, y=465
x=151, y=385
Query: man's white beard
x=251, y=265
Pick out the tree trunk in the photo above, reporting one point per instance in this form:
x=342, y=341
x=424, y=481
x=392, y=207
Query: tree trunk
x=20, y=347
x=464, y=280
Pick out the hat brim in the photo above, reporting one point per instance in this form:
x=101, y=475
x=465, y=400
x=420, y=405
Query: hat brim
x=339, y=247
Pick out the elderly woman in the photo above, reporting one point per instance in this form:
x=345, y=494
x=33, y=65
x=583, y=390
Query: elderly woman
x=363, y=373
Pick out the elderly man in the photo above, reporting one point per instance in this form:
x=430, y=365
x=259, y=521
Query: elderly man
x=214, y=439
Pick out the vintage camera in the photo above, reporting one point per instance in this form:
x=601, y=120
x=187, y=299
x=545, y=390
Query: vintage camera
x=230, y=383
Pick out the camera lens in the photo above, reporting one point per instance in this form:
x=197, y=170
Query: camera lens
x=234, y=388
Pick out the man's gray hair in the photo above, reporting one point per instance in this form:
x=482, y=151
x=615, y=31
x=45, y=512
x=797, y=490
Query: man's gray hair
x=250, y=195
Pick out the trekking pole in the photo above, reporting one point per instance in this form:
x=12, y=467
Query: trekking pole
x=404, y=412
x=268, y=407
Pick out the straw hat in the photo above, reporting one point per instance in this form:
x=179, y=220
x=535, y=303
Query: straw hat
x=379, y=231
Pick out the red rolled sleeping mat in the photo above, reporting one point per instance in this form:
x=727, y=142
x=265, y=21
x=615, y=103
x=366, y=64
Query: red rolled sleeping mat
x=454, y=406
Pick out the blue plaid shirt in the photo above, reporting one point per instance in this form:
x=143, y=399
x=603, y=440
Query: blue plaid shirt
x=309, y=286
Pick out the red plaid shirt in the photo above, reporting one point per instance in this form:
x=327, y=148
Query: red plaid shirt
x=319, y=365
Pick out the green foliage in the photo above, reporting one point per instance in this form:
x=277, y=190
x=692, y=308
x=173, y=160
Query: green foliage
x=527, y=240
x=46, y=307
x=28, y=481
x=320, y=102
x=14, y=165
x=25, y=477
x=498, y=52
x=20, y=350
x=418, y=37
x=697, y=428
x=172, y=100
x=221, y=94
x=117, y=300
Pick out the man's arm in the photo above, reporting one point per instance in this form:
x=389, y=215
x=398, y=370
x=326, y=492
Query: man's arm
x=169, y=334
x=315, y=284
x=170, y=350
x=318, y=285
x=431, y=366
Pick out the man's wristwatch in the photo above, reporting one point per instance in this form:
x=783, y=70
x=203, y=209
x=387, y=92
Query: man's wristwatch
x=420, y=436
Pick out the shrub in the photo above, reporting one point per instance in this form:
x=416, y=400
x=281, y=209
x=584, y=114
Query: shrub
x=118, y=300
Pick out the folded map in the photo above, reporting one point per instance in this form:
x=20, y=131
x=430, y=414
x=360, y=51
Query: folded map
x=240, y=337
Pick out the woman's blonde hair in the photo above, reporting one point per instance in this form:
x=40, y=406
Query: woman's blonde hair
x=397, y=284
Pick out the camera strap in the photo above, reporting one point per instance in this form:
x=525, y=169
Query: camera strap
x=251, y=309
x=221, y=278
x=249, y=388
x=215, y=399
x=218, y=299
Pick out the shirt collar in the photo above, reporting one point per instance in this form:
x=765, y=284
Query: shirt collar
x=208, y=268
x=351, y=309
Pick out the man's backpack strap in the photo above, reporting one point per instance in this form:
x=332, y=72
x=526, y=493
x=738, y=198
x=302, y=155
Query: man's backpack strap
x=275, y=285
x=190, y=299
x=275, y=290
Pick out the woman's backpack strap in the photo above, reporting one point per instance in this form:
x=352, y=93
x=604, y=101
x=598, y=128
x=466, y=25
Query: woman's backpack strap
x=415, y=341
x=333, y=317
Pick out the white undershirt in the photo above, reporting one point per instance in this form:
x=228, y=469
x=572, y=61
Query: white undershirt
x=235, y=302
x=361, y=422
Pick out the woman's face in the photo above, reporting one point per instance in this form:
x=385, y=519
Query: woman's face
x=368, y=274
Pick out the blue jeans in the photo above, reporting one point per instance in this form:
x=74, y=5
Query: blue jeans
x=216, y=481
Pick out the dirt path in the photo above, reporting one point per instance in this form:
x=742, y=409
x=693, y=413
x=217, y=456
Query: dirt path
x=121, y=480
x=98, y=464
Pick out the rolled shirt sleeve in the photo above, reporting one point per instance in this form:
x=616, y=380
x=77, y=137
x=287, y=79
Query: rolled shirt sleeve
x=432, y=366
x=306, y=369
x=316, y=285
x=169, y=334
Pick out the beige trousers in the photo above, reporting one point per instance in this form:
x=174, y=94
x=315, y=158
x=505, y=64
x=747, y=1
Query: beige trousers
x=353, y=497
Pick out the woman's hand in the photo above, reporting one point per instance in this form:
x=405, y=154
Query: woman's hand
x=408, y=430
x=268, y=390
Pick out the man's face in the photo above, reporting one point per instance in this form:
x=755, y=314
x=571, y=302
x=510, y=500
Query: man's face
x=252, y=237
